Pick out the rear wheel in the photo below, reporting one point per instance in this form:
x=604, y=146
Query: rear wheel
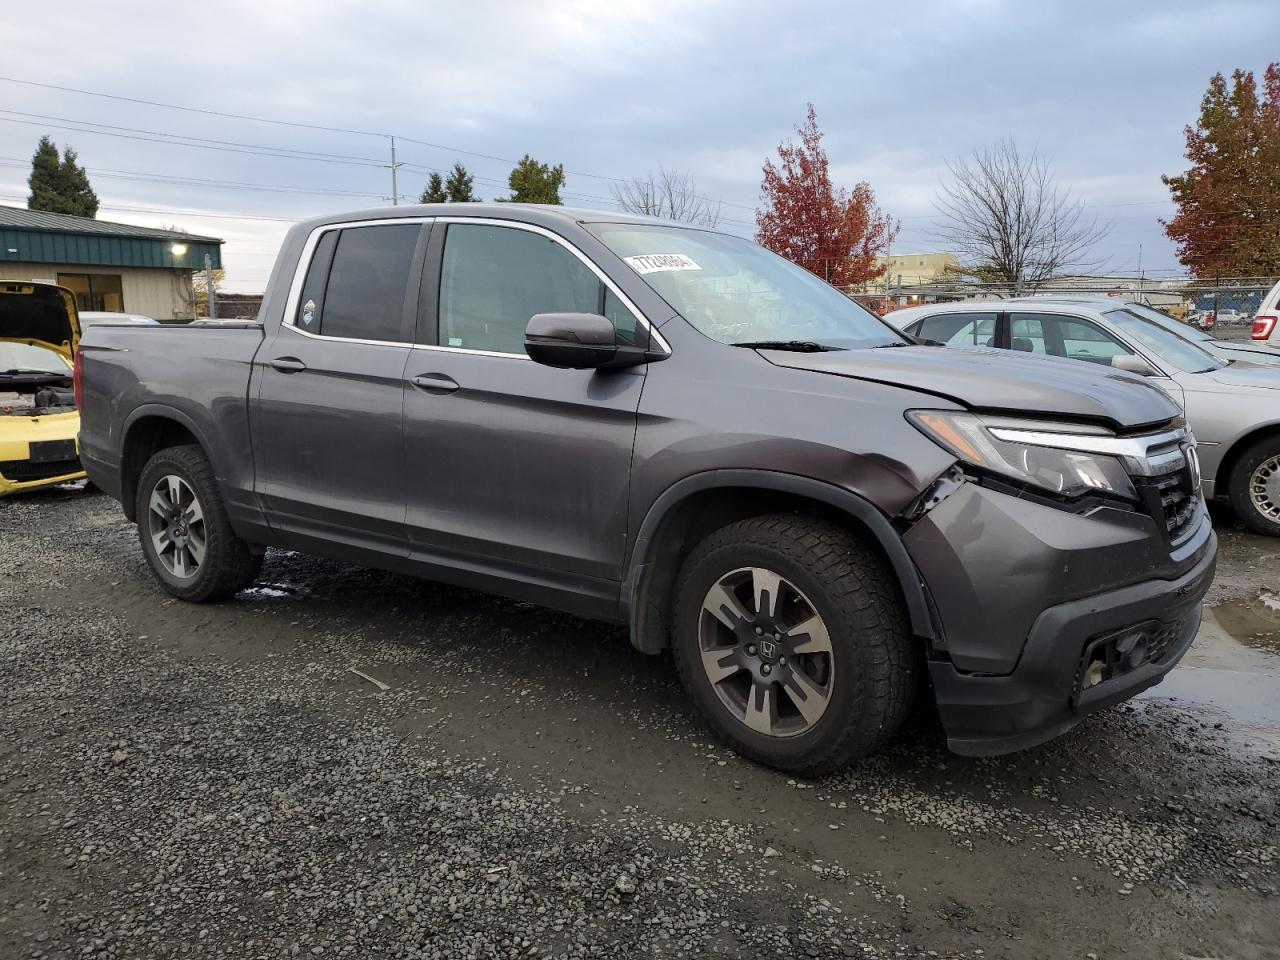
x=792, y=641
x=184, y=531
x=1254, y=486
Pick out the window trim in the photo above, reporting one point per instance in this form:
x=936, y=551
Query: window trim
x=304, y=264
x=433, y=324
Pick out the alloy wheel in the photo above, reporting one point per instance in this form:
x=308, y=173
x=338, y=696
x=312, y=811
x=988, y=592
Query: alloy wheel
x=175, y=521
x=766, y=652
x=1264, y=488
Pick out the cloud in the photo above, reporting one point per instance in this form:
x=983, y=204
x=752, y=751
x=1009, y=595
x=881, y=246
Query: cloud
x=1102, y=89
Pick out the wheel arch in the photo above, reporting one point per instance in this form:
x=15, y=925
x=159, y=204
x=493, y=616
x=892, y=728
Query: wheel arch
x=1222, y=479
x=150, y=429
x=693, y=507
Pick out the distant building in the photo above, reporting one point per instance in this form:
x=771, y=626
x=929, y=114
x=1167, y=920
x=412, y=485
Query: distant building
x=108, y=266
x=915, y=269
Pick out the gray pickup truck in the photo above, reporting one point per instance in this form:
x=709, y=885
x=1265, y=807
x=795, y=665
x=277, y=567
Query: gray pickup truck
x=674, y=429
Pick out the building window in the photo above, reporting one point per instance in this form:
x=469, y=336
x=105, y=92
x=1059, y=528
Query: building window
x=95, y=291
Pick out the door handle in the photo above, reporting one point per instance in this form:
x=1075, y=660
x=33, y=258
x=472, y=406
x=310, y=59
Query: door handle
x=435, y=383
x=287, y=364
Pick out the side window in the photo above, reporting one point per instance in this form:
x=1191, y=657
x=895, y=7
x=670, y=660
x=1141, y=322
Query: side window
x=1060, y=336
x=1026, y=333
x=960, y=329
x=493, y=279
x=312, y=300
x=363, y=296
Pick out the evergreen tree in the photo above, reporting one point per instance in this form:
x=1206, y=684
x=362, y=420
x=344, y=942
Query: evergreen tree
x=60, y=186
x=435, y=191
x=80, y=198
x=458, y=186
x=534, y=182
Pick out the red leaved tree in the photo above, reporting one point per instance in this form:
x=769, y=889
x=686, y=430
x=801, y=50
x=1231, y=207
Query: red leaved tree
x=830, y=231
x=1228, y=218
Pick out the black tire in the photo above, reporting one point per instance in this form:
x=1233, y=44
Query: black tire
x=227, y=565
x=873, y=662
x=1256, y=516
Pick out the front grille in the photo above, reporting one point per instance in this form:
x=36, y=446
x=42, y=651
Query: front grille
x=24, y=471
x=1177, y=502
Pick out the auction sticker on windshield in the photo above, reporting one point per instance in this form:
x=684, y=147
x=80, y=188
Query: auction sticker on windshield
x=661, y=262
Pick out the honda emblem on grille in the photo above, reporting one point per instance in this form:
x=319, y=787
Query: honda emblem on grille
x=1193, y=465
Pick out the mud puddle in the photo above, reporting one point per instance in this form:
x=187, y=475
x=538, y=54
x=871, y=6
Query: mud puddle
x=1233, y=668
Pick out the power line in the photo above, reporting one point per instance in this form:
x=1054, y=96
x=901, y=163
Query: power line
x=137, y=175
x=182, y=213
x=179, y=143
x=208, y=113
x=312, y=126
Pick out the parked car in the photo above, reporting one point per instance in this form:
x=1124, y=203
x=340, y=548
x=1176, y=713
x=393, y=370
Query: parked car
x=1233, y=407
x=677, y=430
x=89, y=318
x=1226, y=350
x=1266, y=324
x=38, y=419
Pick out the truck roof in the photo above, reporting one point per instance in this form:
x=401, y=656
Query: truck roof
x=542, y=214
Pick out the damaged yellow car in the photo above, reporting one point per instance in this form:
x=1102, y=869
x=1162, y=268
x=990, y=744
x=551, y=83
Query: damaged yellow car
x=39, y=331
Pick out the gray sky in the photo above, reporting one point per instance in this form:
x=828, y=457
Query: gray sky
x=611, y=90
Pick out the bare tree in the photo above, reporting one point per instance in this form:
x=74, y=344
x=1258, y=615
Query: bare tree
x=1008, y=220
x=671, y=195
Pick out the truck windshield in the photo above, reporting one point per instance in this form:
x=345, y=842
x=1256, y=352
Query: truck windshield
x=737, y=292
x=1169, y=347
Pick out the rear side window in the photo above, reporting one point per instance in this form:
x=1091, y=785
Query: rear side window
x=960, y=329
x=493, y=279
x=361, y=293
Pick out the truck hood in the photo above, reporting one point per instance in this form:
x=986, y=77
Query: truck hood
x=42, y=314
x=1248, y=350
x=985, y=379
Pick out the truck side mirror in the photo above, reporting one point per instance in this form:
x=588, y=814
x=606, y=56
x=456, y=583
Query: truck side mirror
x=577, y=341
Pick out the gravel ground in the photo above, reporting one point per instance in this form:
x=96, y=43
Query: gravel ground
x=215, y=782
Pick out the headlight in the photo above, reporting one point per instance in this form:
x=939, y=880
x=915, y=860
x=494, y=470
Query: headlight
x=1068, y=473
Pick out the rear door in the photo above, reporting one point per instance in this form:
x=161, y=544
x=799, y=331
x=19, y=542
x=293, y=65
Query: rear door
x=329, y=414
x=518, y=470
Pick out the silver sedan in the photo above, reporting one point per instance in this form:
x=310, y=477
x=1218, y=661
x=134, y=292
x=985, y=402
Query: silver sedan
x=1233, y=406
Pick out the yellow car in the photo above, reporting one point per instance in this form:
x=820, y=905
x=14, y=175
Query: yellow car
x=39, y=330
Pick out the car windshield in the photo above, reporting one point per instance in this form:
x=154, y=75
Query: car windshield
x=1169, y=347
x=735, y=291
x=1176, y=327
x=28, y=358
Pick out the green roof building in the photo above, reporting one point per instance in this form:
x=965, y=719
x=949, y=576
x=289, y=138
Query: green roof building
x=109, y=266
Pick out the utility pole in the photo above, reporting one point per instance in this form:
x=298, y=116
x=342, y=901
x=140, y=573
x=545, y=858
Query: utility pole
x=208, y=287
x=1140, y=273
x=395, y=193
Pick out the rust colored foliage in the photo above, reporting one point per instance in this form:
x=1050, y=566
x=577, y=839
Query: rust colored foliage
x=832, y=232
x=1228, y=219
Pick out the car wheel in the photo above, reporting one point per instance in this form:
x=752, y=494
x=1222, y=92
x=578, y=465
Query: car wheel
x=791, y=638
x=184, y=531
x=1254, y=487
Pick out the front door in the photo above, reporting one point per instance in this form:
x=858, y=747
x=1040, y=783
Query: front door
x=517, y=470
x=329, y=411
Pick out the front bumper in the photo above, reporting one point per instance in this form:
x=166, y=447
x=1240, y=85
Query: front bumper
x=1045, y=695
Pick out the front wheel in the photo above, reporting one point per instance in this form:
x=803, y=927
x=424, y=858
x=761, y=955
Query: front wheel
x=184, y=531
x=1254, y=486
x=792, y=640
